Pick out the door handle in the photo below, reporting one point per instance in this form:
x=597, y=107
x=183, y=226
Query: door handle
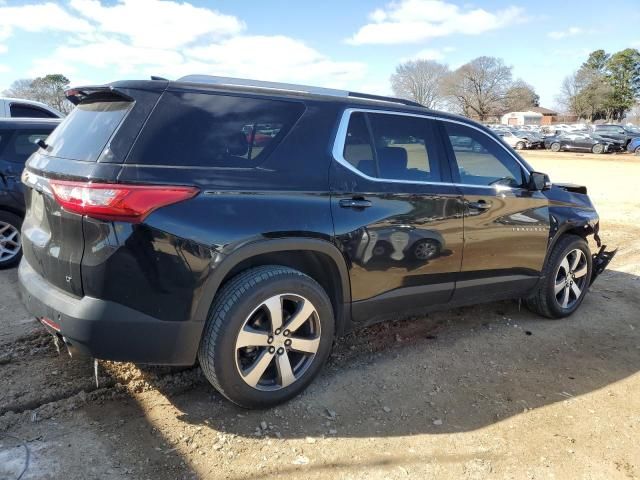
x=479, y=205
x=355, y=203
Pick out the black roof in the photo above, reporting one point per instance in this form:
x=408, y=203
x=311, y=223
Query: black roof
x=349, y=99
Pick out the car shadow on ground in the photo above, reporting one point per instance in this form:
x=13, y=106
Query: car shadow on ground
x=448, y=372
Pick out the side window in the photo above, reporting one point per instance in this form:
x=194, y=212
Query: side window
x=481, y=160
x=23, y=145
x=400, y=147
x=21, y=110
x=213, y=130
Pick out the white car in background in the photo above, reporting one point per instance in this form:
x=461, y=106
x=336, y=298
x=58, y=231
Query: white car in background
x=19, y=108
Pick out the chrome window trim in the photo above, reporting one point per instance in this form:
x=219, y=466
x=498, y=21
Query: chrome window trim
x=341, y=138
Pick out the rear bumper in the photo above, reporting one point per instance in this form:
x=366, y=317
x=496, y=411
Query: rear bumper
x=108, y=330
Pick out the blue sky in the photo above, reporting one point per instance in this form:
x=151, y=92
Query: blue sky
x=343, y=44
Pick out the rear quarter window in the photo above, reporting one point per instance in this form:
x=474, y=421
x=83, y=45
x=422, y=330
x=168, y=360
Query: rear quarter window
x=213, y=130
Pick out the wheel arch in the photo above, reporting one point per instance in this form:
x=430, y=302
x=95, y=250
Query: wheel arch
x=319, y=259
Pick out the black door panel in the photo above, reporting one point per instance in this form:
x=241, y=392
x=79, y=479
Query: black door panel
x=401, y=235
x=506, y=226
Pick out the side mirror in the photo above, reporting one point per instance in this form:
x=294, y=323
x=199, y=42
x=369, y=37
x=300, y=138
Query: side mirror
x=539, y=181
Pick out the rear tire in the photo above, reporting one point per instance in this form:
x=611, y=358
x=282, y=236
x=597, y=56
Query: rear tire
x=567, y=272
x=10, y=246
x=247, y=352
x=637, y=151
x=520, y=146
x=555, y=147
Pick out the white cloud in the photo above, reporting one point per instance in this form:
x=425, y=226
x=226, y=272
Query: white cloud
x=3, y=48
x=158, y=23
x=410, y=21
x=134, y=38
x=4, y=69
x=39, y=18
x=276, y=57
x=570, y=32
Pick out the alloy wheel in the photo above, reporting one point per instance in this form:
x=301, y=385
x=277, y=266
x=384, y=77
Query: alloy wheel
x=571, y=278
x=277, y=342
x=9, y=241
x=425, y=250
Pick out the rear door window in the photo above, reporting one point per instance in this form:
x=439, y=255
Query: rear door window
x=212, y=130
x=22, y=110
x=22, y=144
x=393, y=147
x=87, y=129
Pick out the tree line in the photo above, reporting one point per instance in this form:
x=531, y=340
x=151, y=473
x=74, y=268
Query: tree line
x=48, y=90
x=605, y=87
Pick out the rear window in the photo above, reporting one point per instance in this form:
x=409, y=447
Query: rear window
x=197, y=129
x=86, y=131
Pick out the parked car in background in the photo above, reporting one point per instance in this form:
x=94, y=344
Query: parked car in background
x=534, y=139
x=513, y=140
x=581, y=142
x=616, y=132
x=18, y=139
x=19, y=108
x=634, y=146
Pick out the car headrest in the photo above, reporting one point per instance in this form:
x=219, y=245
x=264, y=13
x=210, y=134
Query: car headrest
x=392, y=161
x=237, y=144
x=368, y=167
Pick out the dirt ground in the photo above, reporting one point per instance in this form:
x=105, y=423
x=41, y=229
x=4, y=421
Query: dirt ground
x=485, y=392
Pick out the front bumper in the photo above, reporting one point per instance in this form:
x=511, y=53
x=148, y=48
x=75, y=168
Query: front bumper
x=107, y=330
x=600, y=261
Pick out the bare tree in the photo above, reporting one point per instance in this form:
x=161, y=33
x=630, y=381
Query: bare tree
x=478, y=89
x=520, y=97
x=420, y=81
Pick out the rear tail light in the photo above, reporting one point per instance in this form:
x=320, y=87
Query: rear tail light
x=117, y=202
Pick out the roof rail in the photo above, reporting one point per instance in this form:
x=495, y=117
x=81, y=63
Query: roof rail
x=291, y=87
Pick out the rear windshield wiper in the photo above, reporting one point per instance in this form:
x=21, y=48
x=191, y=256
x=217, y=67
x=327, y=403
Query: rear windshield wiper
x=42, y=144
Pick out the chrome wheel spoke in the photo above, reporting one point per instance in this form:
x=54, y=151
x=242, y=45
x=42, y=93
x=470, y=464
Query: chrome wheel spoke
x=565, y=297
x=565, y=265
x=256, y=371
x=305, y=345
x=582, y=272
x=301, y=316
x=576, y=290
x=274, y=305
x=285, y=372
x=576, y=259
x=559, y=286
x=249, y=337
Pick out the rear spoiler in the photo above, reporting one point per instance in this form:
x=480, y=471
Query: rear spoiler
x=77, y=94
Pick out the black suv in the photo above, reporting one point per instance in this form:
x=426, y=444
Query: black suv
x=616, y=132
x=18, y=139
x=247, y=225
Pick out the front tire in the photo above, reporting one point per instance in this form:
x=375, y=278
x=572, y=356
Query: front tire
x=10, y=246
x=520, y=146
x=555, y=147
x=637, y=151
x=597, y=149
x=269, y=332
x=567, y=275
